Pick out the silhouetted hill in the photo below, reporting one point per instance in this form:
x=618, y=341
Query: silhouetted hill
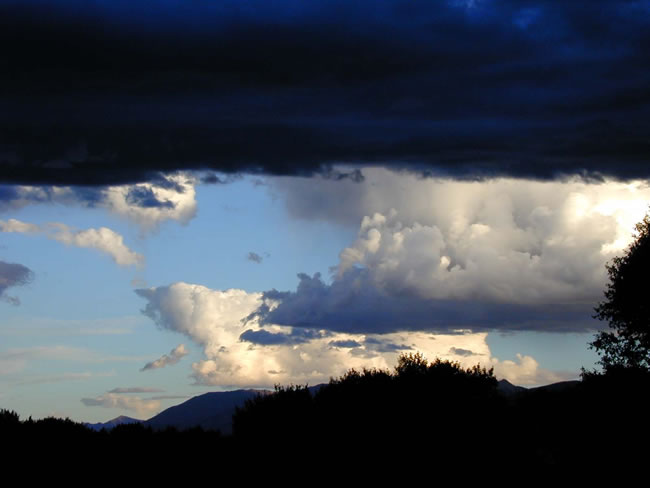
x=122, y=419
x=508, y=389
x=210, y=411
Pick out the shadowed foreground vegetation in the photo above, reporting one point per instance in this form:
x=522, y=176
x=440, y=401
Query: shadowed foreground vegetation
x=434, y=411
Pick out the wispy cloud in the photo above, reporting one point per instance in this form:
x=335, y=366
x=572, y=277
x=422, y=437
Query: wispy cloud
x=113, y=400
x=41, y=380
x=47, y=327
x=136, y=389
x=14, y=360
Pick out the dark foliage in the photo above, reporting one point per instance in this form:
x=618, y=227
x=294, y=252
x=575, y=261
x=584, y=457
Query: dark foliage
x=627, y=307
x=422, y=415
x=438, y=403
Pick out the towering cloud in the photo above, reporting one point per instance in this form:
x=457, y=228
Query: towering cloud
x=441, y=255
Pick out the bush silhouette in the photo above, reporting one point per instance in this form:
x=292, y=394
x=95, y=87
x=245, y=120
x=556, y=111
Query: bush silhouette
x=418, y=401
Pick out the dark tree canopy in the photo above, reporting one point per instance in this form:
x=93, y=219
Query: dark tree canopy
x=627, y=307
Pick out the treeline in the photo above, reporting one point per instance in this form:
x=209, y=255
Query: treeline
x=450, y=415
x=434, y=412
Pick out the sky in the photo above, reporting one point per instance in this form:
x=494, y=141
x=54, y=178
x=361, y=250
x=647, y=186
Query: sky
x=202, y=196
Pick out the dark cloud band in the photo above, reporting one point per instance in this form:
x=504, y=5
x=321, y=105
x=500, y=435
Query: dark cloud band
x=352, y=304
x=105, y=93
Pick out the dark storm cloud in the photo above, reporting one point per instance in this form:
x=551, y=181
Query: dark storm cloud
x=12, y=274
x=111, y=92
x=352, y=304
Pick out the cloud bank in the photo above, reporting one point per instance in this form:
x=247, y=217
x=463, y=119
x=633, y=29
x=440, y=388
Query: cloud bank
x=532, y=88
x=249, y=355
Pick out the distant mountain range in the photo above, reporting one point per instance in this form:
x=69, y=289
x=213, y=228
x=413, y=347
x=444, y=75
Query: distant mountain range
x=211, y=411
x=214, y=411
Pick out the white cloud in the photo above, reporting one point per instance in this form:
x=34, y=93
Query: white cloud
x=103, y=239
x=173, y=357
x=482, y=260
x=150, y=204
x=213, y=320
x=13, y=225
x=170, y=197
x=526, y=372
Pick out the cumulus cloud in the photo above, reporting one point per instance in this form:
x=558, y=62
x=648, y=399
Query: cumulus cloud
x=113, y=400
x=240, y=352
x=174, y=356
x=148, y=204
x=171, y=197
x=525, y=371
x=506, y=254
x=102, y=239
x=13, y=274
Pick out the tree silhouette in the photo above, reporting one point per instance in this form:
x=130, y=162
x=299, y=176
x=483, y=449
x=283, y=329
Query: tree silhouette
x=627, y=307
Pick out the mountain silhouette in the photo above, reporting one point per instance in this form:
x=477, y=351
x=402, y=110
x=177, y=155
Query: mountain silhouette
x=210, y=411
